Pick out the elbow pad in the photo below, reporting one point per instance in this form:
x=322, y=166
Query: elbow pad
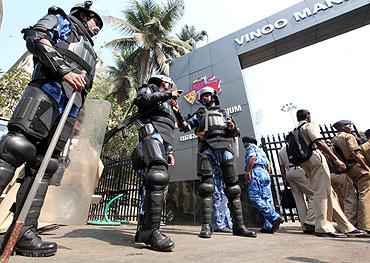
x=54, y=61
x=148, y=100
x=48, y=56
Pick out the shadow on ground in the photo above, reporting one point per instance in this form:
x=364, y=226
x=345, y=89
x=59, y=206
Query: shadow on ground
x=304, y=259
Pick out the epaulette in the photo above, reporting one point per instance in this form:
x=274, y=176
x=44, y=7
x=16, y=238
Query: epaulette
x=54, y=10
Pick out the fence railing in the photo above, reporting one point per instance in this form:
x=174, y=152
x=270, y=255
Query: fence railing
x=118, y=178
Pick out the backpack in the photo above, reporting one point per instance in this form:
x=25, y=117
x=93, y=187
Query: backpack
x=334, y=168
x=297, y=150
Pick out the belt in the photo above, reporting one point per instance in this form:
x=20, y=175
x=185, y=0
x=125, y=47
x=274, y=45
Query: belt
x=292, y=167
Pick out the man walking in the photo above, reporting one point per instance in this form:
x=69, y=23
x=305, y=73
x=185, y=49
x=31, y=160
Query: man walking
x=357, y=169
x=295, y=177
x=326, y=205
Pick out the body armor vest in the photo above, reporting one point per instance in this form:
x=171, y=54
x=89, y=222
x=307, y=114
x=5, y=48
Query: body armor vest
x=78, y=51
x=163, y=119
x=213, y=123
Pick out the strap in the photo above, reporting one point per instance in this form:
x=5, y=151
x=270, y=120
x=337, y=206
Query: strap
x=61, y=48
x=299, y=135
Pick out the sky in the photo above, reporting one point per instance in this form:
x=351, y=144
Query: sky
x=328, y=78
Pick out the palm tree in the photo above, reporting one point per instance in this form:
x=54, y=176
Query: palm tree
x=124, y=76
x=146, y=29
x=189, y=35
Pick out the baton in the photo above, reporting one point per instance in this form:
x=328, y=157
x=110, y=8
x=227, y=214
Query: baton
x=32, y=193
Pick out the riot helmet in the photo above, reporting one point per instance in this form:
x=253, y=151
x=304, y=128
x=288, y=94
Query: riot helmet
x=208, y=90
x=158, y=79
x=88, y=8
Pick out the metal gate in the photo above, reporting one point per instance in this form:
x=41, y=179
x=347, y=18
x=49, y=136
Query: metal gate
x=118, y=178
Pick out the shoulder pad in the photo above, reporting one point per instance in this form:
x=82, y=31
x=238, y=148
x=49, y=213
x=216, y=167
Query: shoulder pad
x=54, y=10
x=153, y=87
x=201, y=110
x=142, y=86
x=46, y=23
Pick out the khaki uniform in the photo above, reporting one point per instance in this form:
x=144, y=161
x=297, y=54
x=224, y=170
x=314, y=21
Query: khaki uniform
x=365, y=149
x=326, y=205
x=346, y=192
x=360, y=176
x=301, y=189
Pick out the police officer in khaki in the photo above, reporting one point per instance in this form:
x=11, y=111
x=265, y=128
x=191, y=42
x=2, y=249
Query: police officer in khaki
x=357, y=169
x=344, y=188
x=326, y=204
x=295, y=177
x=365, y=147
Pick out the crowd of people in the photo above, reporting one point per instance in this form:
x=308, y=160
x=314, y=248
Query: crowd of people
x=62, y=46
x=335, y=168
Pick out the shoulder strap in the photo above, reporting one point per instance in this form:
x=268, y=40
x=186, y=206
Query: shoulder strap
x=300, y=136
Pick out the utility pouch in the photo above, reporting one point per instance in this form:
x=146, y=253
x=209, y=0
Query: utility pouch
x=147, y=129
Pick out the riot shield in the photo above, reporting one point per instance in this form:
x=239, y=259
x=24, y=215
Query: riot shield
x=69, y=203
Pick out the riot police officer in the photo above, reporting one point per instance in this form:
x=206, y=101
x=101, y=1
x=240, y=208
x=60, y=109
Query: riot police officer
x=215, y=130
x=64, y=61
x=156, y=132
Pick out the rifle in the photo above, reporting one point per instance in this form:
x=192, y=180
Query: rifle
x=32, y=193
x=127, y=122
x=122, y=125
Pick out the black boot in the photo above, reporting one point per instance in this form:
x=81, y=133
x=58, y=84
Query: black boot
x=206, y=231
x=31, y=245
x=148, y=232
x=160, y=242
x=243, y=231
x=235, y=206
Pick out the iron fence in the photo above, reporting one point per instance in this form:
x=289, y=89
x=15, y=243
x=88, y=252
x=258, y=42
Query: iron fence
x=118, y=178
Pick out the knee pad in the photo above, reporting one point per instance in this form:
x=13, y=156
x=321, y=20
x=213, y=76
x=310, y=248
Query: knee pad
x=16, y=149
x=65, y=135
x=204, y=165
x=228, y=172
x=157, y=178
x=207, y=187
x=233, y=191
x=33, y=166
x=153, y=152
x=35, y=113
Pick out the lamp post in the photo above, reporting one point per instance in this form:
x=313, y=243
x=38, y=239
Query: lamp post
x=289, y=107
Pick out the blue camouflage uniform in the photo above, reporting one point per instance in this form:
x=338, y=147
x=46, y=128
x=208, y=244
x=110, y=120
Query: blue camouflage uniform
x=259, y=191
x=221, y=213
x=54, y=89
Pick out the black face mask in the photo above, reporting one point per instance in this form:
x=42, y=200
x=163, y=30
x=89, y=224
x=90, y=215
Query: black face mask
x=207, y=103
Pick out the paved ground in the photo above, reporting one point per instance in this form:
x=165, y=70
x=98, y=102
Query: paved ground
x=115, y=244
